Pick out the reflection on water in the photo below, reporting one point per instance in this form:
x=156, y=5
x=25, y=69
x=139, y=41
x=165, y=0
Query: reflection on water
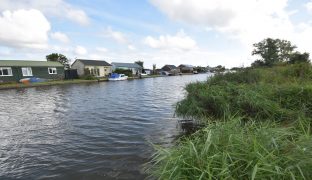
x=87, y=131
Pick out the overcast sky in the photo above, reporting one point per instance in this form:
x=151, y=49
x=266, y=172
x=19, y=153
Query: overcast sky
x=198, y=32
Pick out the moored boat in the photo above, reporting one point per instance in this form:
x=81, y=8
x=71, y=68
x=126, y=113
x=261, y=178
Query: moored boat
x=117, y=77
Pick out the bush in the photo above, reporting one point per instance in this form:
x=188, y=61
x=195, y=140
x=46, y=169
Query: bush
x=89, y=77
x=127, y=72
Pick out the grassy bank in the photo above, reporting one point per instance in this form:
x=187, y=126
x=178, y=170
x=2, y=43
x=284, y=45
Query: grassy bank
x=47, y=83
x=14, y=85
x=257, y=127
x=63, y=82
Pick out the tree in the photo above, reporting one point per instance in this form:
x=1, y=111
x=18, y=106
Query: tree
x=286, y=50
x=57, y=58
x=154, y=68
x=298, y=57
x=273, y=51
x=217, y=69
x=257, y=63
x=267, y=50
x=200, y=69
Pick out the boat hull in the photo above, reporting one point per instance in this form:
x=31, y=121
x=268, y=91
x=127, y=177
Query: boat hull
x=118, y=79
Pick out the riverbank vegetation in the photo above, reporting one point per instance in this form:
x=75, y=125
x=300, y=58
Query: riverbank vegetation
x=14, y=85
x=257, y=124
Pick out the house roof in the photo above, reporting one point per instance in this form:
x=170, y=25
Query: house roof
x=127, y=65
x=93, y=62
x=170, y=66
x=186, y=65
x=21, y=63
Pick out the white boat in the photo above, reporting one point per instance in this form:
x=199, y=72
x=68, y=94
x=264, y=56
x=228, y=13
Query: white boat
x=117, y=77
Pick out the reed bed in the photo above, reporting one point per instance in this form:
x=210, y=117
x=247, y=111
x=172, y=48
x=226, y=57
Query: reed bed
x=257, y=126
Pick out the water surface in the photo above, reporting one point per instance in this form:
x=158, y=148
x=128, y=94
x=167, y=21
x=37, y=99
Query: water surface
x=87, y=131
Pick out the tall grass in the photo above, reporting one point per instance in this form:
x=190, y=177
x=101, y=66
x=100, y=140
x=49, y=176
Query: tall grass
x=280, y=93
x=269, y=138
x=228, y=150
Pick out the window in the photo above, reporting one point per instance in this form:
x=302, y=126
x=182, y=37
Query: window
x=6, y=71
x=52, y=70
x=27, y=71
x=95, y=71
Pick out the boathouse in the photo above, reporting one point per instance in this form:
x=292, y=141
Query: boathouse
x=186, y=68
x=134, y=67
x=98, y=68
x=171, y=69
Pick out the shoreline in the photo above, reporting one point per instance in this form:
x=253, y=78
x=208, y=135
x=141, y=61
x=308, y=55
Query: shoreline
x=48, y=83
x=64, y=82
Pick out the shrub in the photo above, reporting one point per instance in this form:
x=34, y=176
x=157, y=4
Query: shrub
x=89, y=77
x=127, y=72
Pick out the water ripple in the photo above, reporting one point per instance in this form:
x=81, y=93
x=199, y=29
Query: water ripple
x=87, y=131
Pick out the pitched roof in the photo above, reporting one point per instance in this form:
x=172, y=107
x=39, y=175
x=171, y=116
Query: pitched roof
x=186, y=65
x=21, y=63
x=170, y=66
x=93, y=62
x=126, y=65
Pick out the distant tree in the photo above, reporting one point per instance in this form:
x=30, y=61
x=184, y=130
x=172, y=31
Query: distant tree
x=298, y=57
x=267, y=50
x=217, y=69
x=237, y=68
x=200, y=69
x=154, y=68
x=257, y=63
x=57, y=58
x=273, y=51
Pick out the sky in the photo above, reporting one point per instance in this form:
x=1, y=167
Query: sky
x=197, y=32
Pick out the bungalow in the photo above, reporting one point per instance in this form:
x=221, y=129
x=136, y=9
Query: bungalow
x=171, y=69
x=135, y=68
x=185, y=68
x=14, y=70
x=98, y=68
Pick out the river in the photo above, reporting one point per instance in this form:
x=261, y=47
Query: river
x=87, y=131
